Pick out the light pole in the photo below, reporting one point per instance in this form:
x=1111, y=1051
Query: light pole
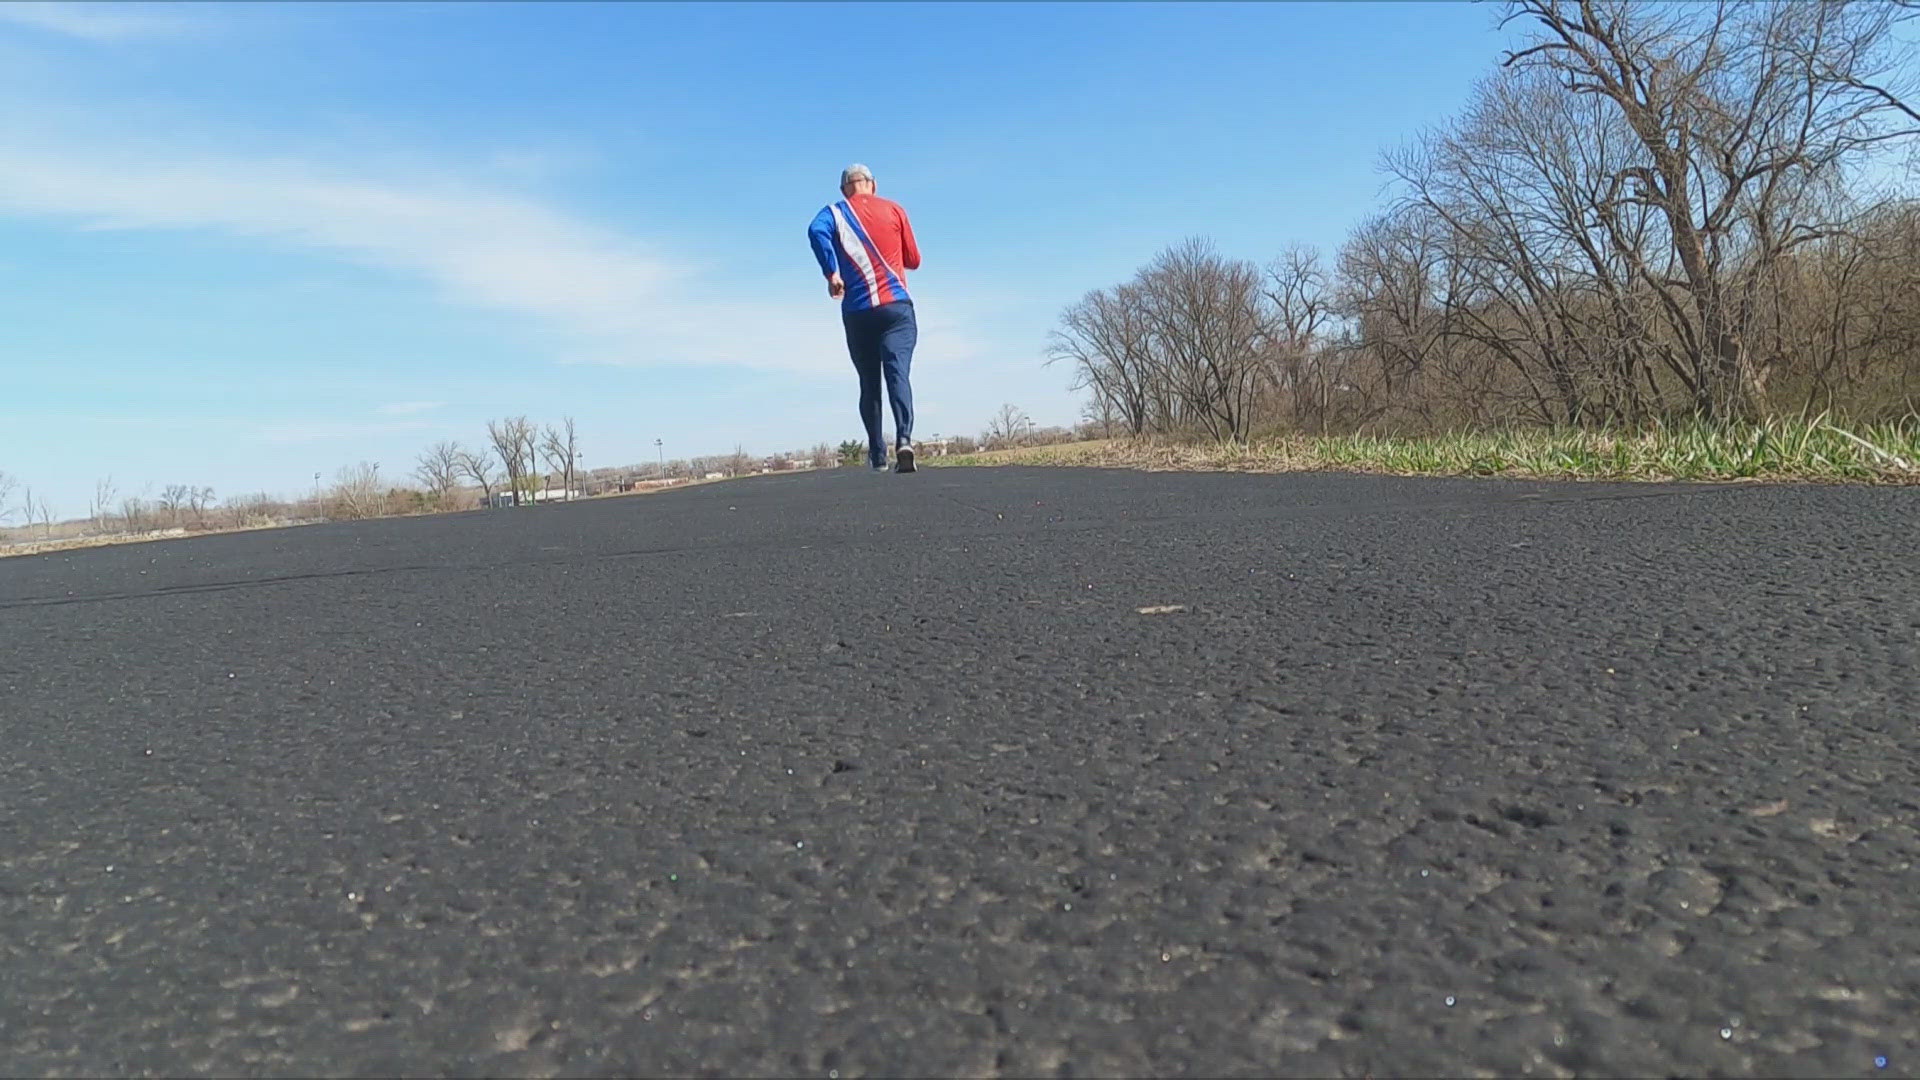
x=663, y=457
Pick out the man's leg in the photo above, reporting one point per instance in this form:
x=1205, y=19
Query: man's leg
x=901, y=334
x=863, y=346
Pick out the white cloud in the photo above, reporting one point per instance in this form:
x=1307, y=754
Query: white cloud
x=301, y=431
x=467, y=228
x=485, y=247
x=805, y=336
x=94, y=21
x=153, y=424
x=612, y=298
x=408, y=408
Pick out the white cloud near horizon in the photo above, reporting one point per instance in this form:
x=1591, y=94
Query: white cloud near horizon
x=94, y=20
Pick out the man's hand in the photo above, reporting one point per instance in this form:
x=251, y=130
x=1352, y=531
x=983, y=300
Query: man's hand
x=835, y=287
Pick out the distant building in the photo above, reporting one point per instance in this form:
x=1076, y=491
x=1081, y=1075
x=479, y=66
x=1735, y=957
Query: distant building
x=505, y=498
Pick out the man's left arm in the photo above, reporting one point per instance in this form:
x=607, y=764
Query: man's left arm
x=909, y=248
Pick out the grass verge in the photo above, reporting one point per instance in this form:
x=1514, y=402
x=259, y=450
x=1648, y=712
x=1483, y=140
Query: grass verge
x=1773, y=450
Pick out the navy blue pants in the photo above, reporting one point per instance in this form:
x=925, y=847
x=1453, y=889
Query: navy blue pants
x=881, y=342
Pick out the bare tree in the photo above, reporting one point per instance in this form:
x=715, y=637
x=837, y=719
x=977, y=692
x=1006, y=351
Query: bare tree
x=254, y=511
x=1008, y=426
x=1210, y=334
x=356, y=492
x=1531, y=302
x=515, y=441
x=1743, y=114
x=475, y=466
x=199, y=499
x=439, y=470
x=561, y=448
x=1392, y=288
x=1299, y=296
x=36, y=511
x=100, y=510
x=1107, y=339
x=173, y=500
x=1097, y=418
x=7, y=484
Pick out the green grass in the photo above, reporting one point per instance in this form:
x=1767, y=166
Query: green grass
x=1781, y=449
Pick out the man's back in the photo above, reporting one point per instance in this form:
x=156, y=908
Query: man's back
x=869, y=241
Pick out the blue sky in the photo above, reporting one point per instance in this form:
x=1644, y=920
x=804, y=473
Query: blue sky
x=243, y=244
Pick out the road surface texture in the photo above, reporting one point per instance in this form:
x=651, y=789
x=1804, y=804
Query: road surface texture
x=1013, y=771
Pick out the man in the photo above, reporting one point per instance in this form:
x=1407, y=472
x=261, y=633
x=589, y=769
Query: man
x=865, y=246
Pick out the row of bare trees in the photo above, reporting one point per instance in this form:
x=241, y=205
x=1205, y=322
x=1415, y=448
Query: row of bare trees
x=521, y=448
x=511, y=462
x=29, y=509
x=1647, y=210
x=1189, y=343
x=177, y=505
x=31, y=516
x=520, y=458
x=523, y=460
x=1011, y=426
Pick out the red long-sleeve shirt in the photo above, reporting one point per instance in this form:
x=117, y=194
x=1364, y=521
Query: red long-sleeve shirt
x=871, y=253
x=887, y=226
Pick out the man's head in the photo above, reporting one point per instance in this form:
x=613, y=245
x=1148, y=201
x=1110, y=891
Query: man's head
x=856, y=180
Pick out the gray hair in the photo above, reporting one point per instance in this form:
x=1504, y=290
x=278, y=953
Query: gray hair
x=854, y=172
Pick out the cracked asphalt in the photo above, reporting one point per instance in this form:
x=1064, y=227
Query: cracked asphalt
x=845, y=774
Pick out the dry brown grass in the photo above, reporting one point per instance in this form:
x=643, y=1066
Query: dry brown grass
x=1152, y=455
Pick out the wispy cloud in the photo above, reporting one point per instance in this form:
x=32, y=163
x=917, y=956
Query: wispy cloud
x=95, y=21
x=606, y=294
x=158, y=423
x=486, y=247
x=292, y=430
x=301, y=431
x=409, y=408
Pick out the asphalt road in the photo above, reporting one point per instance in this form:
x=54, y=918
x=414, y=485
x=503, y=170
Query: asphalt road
x=886, y=775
